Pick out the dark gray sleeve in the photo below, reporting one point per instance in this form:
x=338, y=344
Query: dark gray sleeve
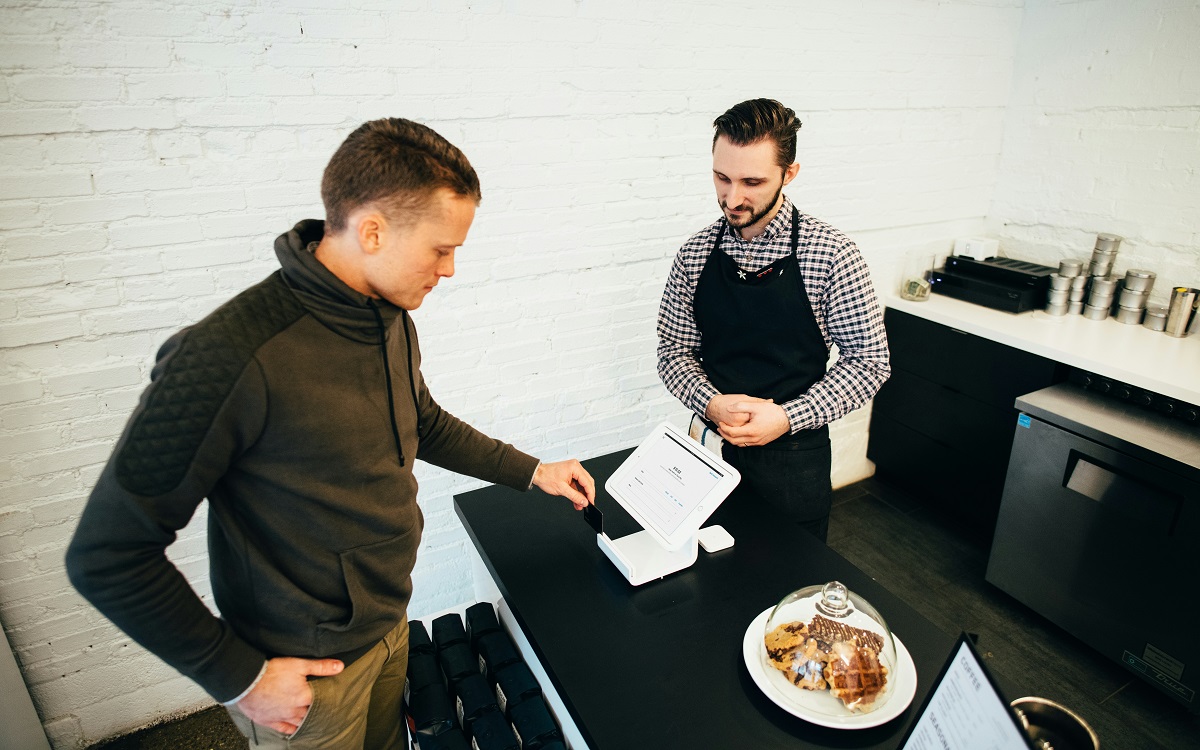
x=452, y=444
x=180, y=440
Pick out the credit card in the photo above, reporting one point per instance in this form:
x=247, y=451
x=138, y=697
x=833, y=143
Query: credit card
x=595, y=518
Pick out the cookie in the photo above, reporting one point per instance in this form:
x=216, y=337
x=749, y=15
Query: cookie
x=784, y=639
x=807, y=668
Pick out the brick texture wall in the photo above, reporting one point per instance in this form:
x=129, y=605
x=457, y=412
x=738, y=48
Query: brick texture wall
x=1103, y=135
x=150, y=152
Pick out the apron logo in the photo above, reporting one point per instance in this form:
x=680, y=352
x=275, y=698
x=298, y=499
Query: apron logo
x=742, y=274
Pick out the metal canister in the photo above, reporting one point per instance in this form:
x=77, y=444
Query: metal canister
x=1100, y=268
x=1133, y=298
x=1130, y=315
x=1057, y=296
x=1056, y=309
x=1106, y=286
x=1143, y=281
x=1074, y=307
x=1095, y=313
x=1181, y=313
x=1079, y=283
x=1070, y=267
x=1156, y=318
x=1076, y=295
x=1060, y=281
x=1108, y=242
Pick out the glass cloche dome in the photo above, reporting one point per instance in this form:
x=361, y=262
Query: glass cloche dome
x=829, y=651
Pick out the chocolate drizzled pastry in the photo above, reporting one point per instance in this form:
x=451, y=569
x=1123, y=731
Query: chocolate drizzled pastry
x=833, y=631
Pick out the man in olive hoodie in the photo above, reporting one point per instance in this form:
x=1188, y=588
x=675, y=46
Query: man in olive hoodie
x=297, y=409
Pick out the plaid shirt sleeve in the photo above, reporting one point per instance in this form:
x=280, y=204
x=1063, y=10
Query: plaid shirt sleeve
x=678, y=337
x=851, y=319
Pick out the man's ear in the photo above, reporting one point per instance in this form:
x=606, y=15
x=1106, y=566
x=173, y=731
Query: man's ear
x=790, y=173
x=368, y=230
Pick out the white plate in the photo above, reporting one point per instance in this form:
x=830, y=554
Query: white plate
x=819, y=706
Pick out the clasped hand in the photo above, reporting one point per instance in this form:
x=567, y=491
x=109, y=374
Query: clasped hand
x=746, y=420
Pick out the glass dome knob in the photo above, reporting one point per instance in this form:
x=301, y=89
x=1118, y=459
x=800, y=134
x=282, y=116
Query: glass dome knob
x=835, y=600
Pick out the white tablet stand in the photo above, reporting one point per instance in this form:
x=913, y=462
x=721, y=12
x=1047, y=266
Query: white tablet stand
x=685, y=473
x=640, y=557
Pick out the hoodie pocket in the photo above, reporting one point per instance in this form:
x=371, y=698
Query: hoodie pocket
x=378, y=587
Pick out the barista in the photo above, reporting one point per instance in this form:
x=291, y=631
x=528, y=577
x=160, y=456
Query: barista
x=753, y=304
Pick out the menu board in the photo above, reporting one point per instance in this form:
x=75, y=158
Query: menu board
x=965, y=710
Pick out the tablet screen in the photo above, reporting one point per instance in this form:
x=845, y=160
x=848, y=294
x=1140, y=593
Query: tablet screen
x=965, y=710
x=668, y=482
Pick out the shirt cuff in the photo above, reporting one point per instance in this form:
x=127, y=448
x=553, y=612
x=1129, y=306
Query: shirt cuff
x=704, y=393
x=531, y=476
x=800, y=416
x=253, y=685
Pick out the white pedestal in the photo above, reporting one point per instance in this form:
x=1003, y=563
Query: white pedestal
x=640, y=558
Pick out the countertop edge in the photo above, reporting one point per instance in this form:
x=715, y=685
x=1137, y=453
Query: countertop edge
x=1130, y=354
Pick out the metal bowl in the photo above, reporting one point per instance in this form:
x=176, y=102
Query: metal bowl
x=1053, y=725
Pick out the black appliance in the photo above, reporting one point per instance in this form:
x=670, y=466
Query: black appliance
x=1000, y=283
x=1099, y=530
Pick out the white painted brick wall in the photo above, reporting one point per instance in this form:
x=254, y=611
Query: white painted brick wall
x=148, y=156
x=1103, y=135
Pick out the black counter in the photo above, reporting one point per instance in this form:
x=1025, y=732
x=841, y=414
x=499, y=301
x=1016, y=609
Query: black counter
x=660, y=665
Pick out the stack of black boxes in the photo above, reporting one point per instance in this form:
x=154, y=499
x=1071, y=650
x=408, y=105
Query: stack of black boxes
x=469, y=689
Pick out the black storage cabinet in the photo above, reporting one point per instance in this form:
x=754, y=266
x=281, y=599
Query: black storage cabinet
x=942, y=426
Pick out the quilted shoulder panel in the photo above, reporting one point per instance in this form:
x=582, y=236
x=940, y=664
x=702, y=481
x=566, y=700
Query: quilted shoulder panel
x=187, y=396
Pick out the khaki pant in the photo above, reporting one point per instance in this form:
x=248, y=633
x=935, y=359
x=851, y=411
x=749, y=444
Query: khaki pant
x=359, y=708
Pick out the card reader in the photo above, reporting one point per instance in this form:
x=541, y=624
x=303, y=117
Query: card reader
x=714, y=538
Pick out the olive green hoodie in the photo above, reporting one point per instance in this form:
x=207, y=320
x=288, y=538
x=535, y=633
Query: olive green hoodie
x=297, y=409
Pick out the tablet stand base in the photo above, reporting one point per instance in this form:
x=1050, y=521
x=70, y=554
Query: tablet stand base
x=641, y=559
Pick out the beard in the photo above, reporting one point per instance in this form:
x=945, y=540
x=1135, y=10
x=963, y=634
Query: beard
x=754, y=214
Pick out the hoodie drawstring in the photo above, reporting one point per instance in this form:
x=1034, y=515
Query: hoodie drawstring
x=387, y=373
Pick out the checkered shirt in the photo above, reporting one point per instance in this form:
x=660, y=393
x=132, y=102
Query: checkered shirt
x=842, y=297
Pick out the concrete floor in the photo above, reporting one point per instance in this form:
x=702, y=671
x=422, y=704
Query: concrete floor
x=939, y=571
x=210, y=729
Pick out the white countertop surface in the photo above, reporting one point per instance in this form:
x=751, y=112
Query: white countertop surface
x=1131, y=354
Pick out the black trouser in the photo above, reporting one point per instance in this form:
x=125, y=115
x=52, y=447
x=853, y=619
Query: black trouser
x=791, y=475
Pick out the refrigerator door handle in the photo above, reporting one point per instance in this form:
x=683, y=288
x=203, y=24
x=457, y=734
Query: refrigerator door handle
x=1122, y=492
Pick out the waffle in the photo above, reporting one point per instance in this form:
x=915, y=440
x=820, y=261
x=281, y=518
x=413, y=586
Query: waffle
x=855, y=675
x=832, y=631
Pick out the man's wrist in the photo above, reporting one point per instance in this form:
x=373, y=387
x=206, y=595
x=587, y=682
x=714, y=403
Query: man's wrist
x=253, y=685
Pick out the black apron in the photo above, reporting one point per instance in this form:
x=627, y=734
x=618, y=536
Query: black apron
x=759, y=336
